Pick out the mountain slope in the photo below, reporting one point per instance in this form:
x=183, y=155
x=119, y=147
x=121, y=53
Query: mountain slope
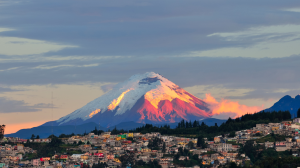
x=287, y=103
x=143, y=98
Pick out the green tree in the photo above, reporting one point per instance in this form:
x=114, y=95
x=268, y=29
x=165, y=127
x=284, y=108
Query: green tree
x=250, y=150
x=190, y=145
x=164, y=148
x=233, y=165
x=32, y=137
x=201, y=142
x=127, y=160
x=232, y=134
x=80, y=143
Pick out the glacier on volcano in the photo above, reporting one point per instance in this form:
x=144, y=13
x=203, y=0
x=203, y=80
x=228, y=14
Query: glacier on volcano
x=143, y=98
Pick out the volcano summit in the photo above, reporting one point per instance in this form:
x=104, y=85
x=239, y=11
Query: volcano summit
x=143, y=98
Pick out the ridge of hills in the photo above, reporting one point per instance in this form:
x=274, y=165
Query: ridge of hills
x=46, y=131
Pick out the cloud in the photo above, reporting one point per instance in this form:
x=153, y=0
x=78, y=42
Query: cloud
x=7, y=89
x=268, y=41
x=64, y=66
x=292, y=10
x=107, y=87
x=43, y=105
x=13, y=106
x=231, y=73
x=132, y=28
x=25, y=46
x=127, y=38
x=227, y=108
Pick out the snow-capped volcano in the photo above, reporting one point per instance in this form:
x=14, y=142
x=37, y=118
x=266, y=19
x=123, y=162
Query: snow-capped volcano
x=144, y=98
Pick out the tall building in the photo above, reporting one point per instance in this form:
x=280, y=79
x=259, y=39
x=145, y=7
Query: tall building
x=2, y=128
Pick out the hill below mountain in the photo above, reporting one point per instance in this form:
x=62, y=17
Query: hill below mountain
x=46, y=131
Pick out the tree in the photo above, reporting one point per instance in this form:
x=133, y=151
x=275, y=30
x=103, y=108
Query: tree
x=182, y=124
x=32, y=137
x=140, y=163
x=80, y=143
x=298, y=113
x=233, y=165
x=164, y=148
x=55, y=142
x=37, y=137
x=232, y=134
x=127, y=160
x=195, y=124
x=201, y=142
x=153, y=144
x=190, y=124
x=191, y=145
x=249, y=150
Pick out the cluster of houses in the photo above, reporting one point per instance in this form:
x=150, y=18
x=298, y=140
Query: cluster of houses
x=12, y=155
x=108, y=149
x=289, y=129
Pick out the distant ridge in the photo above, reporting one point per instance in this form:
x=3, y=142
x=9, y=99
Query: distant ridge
x=45, y=131
x=286, y=103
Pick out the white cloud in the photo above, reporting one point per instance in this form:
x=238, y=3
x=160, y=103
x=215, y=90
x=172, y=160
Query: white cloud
x=65, y=65
x=9, y=69
x=25, y=46
x=269, y=41
x=5, y=29
x=293, y=9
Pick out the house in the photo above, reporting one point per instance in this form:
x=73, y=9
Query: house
x=217, y=139
x=183, y=158
x=36, y=162
x=296, y=120
x=281, y=146
x=269, y=144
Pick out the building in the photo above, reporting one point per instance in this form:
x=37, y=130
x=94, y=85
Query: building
x=296, y=120
x=2, y=128
x=217, y=139
x=281, y=146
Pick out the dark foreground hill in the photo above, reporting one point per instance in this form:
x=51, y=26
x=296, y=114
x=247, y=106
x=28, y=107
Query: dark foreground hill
x=46, y=131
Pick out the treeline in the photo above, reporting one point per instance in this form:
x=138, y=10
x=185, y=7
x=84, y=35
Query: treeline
x=46, y=149
x=191, y=128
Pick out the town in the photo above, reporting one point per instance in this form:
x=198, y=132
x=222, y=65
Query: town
x=128, y=149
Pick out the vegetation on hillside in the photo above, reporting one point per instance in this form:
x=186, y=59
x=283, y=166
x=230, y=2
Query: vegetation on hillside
x=196, y=128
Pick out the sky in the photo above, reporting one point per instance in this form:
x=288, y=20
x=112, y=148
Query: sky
x=239, y=54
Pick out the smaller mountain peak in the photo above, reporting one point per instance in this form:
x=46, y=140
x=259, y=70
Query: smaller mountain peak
x=297, y=97
x=286, y=98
